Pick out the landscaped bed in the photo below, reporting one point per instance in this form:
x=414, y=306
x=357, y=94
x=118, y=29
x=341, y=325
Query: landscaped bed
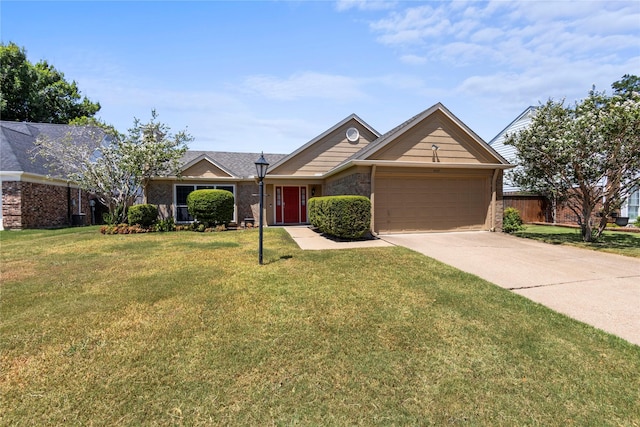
x=188, y=329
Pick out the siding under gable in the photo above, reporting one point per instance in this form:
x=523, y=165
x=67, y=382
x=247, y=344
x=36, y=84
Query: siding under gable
x=205, y=169
x=415, y=145
x=509, y=151
x=326, y=153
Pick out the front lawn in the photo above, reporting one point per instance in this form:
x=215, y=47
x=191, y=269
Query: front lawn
x=617, y=242
x=187, y=329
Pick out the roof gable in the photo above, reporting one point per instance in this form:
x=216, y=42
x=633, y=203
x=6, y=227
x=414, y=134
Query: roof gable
x=517, y=124
x=218, y=164
x=520, y=123
x=327, y=150
x=204, y=166
x=414, y=141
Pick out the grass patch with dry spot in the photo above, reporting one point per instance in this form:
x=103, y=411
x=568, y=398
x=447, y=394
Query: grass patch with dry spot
x=187, y=329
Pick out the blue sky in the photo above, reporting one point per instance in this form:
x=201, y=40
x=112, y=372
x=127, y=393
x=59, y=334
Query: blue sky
x=271, y=75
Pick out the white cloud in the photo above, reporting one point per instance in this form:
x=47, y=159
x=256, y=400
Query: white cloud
x=342, y=5
x=486, y=35
x=412, y=26
x=517, y=35
x=413, y=59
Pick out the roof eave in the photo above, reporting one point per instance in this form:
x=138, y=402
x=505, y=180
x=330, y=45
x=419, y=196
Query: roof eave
x=434, y=165
x=34, y=178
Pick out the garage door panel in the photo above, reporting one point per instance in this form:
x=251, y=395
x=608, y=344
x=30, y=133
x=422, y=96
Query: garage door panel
x=422, y=203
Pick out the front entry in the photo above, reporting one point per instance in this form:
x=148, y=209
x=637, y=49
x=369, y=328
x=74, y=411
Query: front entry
x=291, y=205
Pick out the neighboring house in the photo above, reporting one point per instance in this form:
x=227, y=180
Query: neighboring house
x=431, y=173
x=631, y=208
x=509, y=151
x=32, y=195
x=532, y=207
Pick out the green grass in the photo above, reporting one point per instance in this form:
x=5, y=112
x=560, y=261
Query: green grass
x=187, y=329
x=617, y=242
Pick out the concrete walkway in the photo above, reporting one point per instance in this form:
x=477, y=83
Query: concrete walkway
x=600, y=289
x=309, y=239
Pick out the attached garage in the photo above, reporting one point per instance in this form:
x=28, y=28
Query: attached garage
x=431, y=200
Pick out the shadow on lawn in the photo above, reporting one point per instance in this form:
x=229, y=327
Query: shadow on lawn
x=606, y=241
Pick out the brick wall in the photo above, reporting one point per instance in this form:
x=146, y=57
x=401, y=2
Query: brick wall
x=358, y=184
x=35, y=205
x=248, y=200
x=499, y=202
x=11, y=204
x=160, y=193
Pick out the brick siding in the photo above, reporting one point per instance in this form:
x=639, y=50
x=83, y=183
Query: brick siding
x=34, y=205
x=248, y=200
x=499, y=212
x=161, y=194
x=358, y=184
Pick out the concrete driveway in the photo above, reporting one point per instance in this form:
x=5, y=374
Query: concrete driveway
x=600, y=289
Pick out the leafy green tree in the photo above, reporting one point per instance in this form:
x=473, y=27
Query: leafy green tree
x=16, y=79
x=38, y=93
x=114, y=166
x=626, y=86
x=587, y=155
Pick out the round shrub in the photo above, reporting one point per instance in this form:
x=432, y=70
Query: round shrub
x=144, y=215
x=511, y=221
x=211, y=207
x=347, y=217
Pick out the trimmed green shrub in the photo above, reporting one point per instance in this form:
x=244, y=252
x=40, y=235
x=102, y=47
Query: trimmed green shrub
x=166, y=225
x=347, y=217
x=511, y=221
x=211, y=207
x=144, y=215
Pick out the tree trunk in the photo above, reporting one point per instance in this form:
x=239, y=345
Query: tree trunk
x=587, y=228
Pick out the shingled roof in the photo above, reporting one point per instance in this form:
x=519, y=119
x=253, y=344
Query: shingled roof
x=241, y=165
x=17, y=145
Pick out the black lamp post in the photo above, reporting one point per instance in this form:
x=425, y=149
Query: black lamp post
x=261, y=167
x=92, y=203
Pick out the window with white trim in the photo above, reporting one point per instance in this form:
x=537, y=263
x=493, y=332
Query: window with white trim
x=183, y=190
x=634, y=205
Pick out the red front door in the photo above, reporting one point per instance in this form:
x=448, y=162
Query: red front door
x=291, y=205
x=290, y=197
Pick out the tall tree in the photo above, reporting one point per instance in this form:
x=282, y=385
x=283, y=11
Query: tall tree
x=626, y=85
x=586, y=155
x=38, y=93
x=114, y=166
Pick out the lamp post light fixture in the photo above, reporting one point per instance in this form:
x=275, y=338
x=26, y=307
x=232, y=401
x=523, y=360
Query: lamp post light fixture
x=261, y=168
x=92, y=203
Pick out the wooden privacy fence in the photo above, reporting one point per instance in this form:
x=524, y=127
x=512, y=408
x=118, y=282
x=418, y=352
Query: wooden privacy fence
x=532, y=208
